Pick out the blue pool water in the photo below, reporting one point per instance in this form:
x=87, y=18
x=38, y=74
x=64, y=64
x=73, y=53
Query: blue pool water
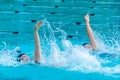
x=62, y=34
x=62, y=59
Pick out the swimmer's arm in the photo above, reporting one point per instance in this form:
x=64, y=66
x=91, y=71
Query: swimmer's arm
x=37, y=53
x=90, y=33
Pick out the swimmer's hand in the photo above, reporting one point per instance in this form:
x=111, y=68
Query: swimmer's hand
x=39, y=23
x=87, y=18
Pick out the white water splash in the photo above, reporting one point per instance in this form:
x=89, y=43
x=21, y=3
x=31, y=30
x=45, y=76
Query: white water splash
x=72, y=57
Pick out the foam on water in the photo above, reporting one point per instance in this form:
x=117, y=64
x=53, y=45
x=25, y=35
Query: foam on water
x=66, y=55
x=7, y=56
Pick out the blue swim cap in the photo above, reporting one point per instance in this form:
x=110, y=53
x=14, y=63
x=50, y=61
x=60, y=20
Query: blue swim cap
x=18, y=57
x=84, y=44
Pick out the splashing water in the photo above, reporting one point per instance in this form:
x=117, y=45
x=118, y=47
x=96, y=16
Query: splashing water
x=60, y=52
x=75, y=57
x=7, y=56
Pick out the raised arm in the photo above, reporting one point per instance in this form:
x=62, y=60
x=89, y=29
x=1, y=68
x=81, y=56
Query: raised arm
x=37, y=53
x=90, y=33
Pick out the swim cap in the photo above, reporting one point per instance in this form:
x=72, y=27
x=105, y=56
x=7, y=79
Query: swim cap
x=84, y=44
x=18, y=57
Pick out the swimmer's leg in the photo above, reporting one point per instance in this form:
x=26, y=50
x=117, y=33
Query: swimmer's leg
x=37, y=53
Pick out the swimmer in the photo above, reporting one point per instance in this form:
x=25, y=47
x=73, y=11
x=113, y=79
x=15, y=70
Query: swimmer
x=93, y=45
x=37, y=53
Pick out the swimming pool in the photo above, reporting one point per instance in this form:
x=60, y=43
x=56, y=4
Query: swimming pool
x=63, y=32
